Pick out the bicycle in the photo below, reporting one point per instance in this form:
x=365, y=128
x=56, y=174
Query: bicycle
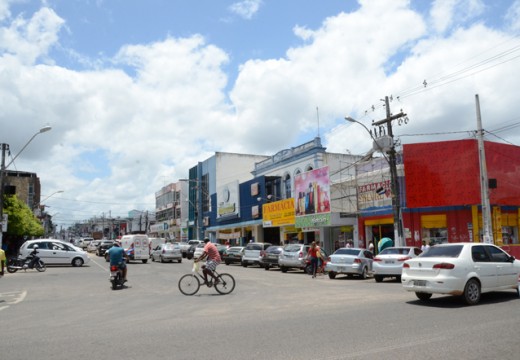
x=189, y=284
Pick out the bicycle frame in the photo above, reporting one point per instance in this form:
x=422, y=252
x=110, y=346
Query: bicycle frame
x=189, y=284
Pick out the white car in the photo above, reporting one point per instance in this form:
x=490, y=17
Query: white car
x=199, y=249
x=52, y=251
x=253, y=253
x=389, y=262
x=465, y=269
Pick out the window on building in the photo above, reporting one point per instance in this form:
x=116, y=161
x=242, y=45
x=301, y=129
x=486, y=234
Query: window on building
x=287, y=186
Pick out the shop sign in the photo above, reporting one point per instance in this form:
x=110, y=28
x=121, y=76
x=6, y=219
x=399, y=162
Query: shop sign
x=278, y=213
x=313, y=220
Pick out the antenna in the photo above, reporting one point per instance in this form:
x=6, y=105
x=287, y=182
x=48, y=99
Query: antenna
x=318, y=117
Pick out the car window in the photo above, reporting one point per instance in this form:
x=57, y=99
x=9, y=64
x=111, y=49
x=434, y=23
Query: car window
x=479, y=254
x=417, y=251
x=254, y=247
x=451, y=251
x=395, y=251
x=292, y=248
x=57, y=246
x=497, y=255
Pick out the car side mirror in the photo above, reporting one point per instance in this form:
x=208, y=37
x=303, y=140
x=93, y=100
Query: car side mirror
x=511, y=259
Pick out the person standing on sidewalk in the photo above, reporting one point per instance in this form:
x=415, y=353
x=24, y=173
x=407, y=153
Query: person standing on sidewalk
x=2, y=262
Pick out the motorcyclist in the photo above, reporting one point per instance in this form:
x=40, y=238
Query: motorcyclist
x=32, y=256
x=117, y=257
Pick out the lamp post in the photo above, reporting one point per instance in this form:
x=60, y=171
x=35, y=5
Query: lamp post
x=3, y=167
x=396, y=201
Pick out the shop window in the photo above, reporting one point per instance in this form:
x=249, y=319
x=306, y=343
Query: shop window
x=435, y=235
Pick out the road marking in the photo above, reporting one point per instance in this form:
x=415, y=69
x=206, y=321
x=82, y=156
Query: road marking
x=12, y=298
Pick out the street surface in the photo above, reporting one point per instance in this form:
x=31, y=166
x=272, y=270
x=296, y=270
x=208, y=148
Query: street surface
x=72, y=313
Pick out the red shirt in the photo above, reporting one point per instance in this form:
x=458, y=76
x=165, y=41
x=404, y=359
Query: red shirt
x=313, y=251
x=212, y=252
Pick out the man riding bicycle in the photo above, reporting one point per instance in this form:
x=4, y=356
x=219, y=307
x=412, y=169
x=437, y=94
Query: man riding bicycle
x=117, y=257
x=211, y=252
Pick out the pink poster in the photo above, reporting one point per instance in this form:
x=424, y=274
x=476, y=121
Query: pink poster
x=312, y=192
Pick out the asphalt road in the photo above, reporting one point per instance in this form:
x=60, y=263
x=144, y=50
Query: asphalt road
x=72, y=313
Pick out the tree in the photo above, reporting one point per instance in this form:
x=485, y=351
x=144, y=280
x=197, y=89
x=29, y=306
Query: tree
x=22, y=221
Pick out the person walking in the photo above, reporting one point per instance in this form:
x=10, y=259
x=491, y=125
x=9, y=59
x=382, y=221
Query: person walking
x=2, y=262
x=313, y=257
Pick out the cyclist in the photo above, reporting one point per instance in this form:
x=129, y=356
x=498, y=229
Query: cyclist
x=211, y=252
x=117, y=255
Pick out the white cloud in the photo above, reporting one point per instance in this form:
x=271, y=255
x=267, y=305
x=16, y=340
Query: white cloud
x=513, y=16
x=163, y=106
x=246, y=8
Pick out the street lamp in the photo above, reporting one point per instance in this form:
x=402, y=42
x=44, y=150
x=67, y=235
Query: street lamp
x=396, y=201
x=3, y=167
x=54, y=193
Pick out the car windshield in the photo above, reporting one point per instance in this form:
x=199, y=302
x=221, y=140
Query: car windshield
x=395, y=251
x=346, y=251
x=452, y=251
x=254, y=247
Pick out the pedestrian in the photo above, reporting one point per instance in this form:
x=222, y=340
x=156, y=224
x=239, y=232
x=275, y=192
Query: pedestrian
x=313, y=257
x=371, y=247
x=2, y=262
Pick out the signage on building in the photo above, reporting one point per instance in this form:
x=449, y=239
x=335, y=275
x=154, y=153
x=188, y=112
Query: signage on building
x=278, y=213
x=374, y=192
x=228, y=201
x=312, y=198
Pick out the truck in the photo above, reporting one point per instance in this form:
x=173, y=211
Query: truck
x=97, y=235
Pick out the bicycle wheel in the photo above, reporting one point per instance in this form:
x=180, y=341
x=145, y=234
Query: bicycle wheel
x=189, y=284
x=226, y=284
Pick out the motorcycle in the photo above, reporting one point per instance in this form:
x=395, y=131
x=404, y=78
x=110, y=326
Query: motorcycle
x=30, y=262
x=116, y=277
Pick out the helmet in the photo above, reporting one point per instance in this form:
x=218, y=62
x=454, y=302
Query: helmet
x=206, y=239
x=117, y=243
x=35, y=246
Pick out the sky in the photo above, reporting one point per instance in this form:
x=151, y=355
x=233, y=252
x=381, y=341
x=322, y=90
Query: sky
x=137, y=92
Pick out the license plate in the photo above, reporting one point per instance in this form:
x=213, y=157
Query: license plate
x=419, y=282
x=389, y=261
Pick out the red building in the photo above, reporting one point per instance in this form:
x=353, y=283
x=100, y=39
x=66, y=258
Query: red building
x=441, y=196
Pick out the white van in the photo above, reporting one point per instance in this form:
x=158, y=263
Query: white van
x=137, y=247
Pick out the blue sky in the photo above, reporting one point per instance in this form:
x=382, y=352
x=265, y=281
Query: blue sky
x=137, y=92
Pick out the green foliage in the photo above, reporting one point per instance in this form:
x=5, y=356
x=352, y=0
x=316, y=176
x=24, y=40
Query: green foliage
x=22, y=221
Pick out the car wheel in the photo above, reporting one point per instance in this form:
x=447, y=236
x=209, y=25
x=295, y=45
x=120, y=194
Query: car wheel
x=423, y=296
x=77, y=262
x=472, y=292
x=363, y=273
x=145, y=261
x=227, y=263
x=179, y=261
x=284, y=269
x=244, y=264
x=332, y=275
x=398, y=278
x=266, y=267
x=378, y=278
x=161, y=259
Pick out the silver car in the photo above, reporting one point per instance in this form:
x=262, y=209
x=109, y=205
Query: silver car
x=350, y=261
x=389, y=262
x=167, y=252
x=252, y=253
x=294, y=256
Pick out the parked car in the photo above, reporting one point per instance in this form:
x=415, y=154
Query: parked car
x=199, y=249
x=92, y=245
x=166, y=252
x=350, y=261
x=83, y=242
x=389, y=262
x=104, y=246
x=233, y=255
x=466, y=269
x=294, y=256
x=252, y=255
x=186, y=246
x=52, y=251
x=269, y=257
x=221, y=249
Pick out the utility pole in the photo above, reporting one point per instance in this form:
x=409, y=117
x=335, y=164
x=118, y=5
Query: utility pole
x=392, y=162
x=5, y=147
x=484, y=185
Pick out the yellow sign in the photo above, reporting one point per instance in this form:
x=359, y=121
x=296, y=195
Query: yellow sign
x=279, y=213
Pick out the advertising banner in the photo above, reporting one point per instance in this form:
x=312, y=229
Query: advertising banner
x=312, y=193
x=278, y=213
